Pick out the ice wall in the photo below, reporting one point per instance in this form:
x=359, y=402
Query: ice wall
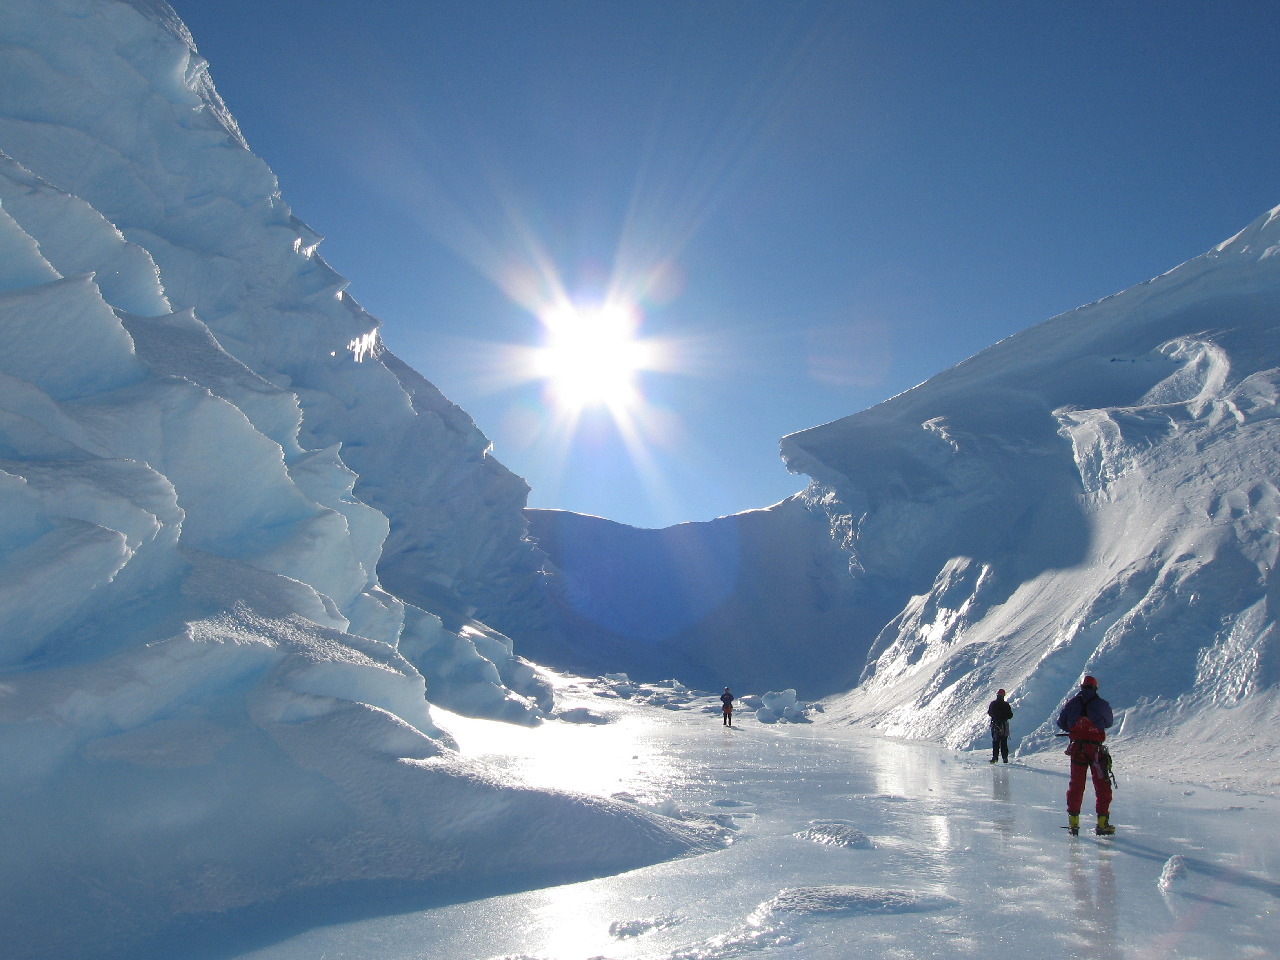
x=750, y=601
x=211, y=473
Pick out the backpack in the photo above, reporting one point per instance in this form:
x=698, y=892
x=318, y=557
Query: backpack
x=1086, y=741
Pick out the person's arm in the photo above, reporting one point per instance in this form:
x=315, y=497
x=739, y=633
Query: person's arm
x=1064, y=720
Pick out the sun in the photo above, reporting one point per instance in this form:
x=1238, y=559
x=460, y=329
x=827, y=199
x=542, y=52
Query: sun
x=591, y=356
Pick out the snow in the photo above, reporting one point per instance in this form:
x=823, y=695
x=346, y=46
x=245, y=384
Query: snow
x=274, y=623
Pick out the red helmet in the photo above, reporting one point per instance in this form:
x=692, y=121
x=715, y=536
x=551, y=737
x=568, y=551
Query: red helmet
x=999, y=693
x=1089, y=682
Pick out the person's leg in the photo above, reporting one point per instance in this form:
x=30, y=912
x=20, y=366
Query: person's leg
x=1101, y=790
x=1075, y=788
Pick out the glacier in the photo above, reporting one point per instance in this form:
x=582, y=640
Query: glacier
x=239, y=539
x=253, y=561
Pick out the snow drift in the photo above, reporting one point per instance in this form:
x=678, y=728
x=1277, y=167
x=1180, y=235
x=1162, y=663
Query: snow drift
x=212, y=472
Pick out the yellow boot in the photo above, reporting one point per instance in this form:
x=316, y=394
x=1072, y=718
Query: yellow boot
x=1073, y=824
x=1104, y=828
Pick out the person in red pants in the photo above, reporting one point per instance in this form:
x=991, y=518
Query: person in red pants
x=1085, y=718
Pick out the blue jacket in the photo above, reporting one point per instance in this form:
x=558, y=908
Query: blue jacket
x=1086, y=703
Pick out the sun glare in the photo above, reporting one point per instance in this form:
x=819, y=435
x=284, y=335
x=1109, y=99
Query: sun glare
x=591, y=357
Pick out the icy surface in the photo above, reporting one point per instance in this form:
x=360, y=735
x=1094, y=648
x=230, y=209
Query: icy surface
x=967, y=859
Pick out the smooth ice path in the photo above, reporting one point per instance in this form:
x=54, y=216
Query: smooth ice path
x=844, y=844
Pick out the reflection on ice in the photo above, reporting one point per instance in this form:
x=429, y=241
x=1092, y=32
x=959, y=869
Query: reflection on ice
x=1097, y=911
x=598, y=759
x=571, y=922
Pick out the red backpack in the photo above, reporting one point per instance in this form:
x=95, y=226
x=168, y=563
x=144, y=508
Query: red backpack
x=1086, y=740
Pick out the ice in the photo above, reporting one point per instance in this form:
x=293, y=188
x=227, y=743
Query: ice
x=781, y=706
x=838, y=901
x=623, y=929
x=1175, y=869
x=966, y=859
x=836, y=833
x=211, y=473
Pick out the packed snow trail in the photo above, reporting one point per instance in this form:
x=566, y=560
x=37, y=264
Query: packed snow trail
x=844, y=844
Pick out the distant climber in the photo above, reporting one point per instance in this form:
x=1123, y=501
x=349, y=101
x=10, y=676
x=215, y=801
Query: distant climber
x=1085, y=718
x=726, y=710
x=1000, y=713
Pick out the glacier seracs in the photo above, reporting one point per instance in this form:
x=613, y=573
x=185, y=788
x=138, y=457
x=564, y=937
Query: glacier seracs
x=209, y=472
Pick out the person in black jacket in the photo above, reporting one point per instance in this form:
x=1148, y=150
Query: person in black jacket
x=1000, y=713
x=1085, y=718
x=726, y=710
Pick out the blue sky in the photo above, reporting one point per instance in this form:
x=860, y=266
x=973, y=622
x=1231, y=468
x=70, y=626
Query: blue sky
x=808, y=207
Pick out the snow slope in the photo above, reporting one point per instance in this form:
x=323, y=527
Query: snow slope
x=1094, y=495
x=211, y=475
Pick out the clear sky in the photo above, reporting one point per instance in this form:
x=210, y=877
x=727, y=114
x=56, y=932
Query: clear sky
x=798, y=209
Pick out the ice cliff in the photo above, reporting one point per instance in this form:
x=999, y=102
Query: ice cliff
x=241, y=545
